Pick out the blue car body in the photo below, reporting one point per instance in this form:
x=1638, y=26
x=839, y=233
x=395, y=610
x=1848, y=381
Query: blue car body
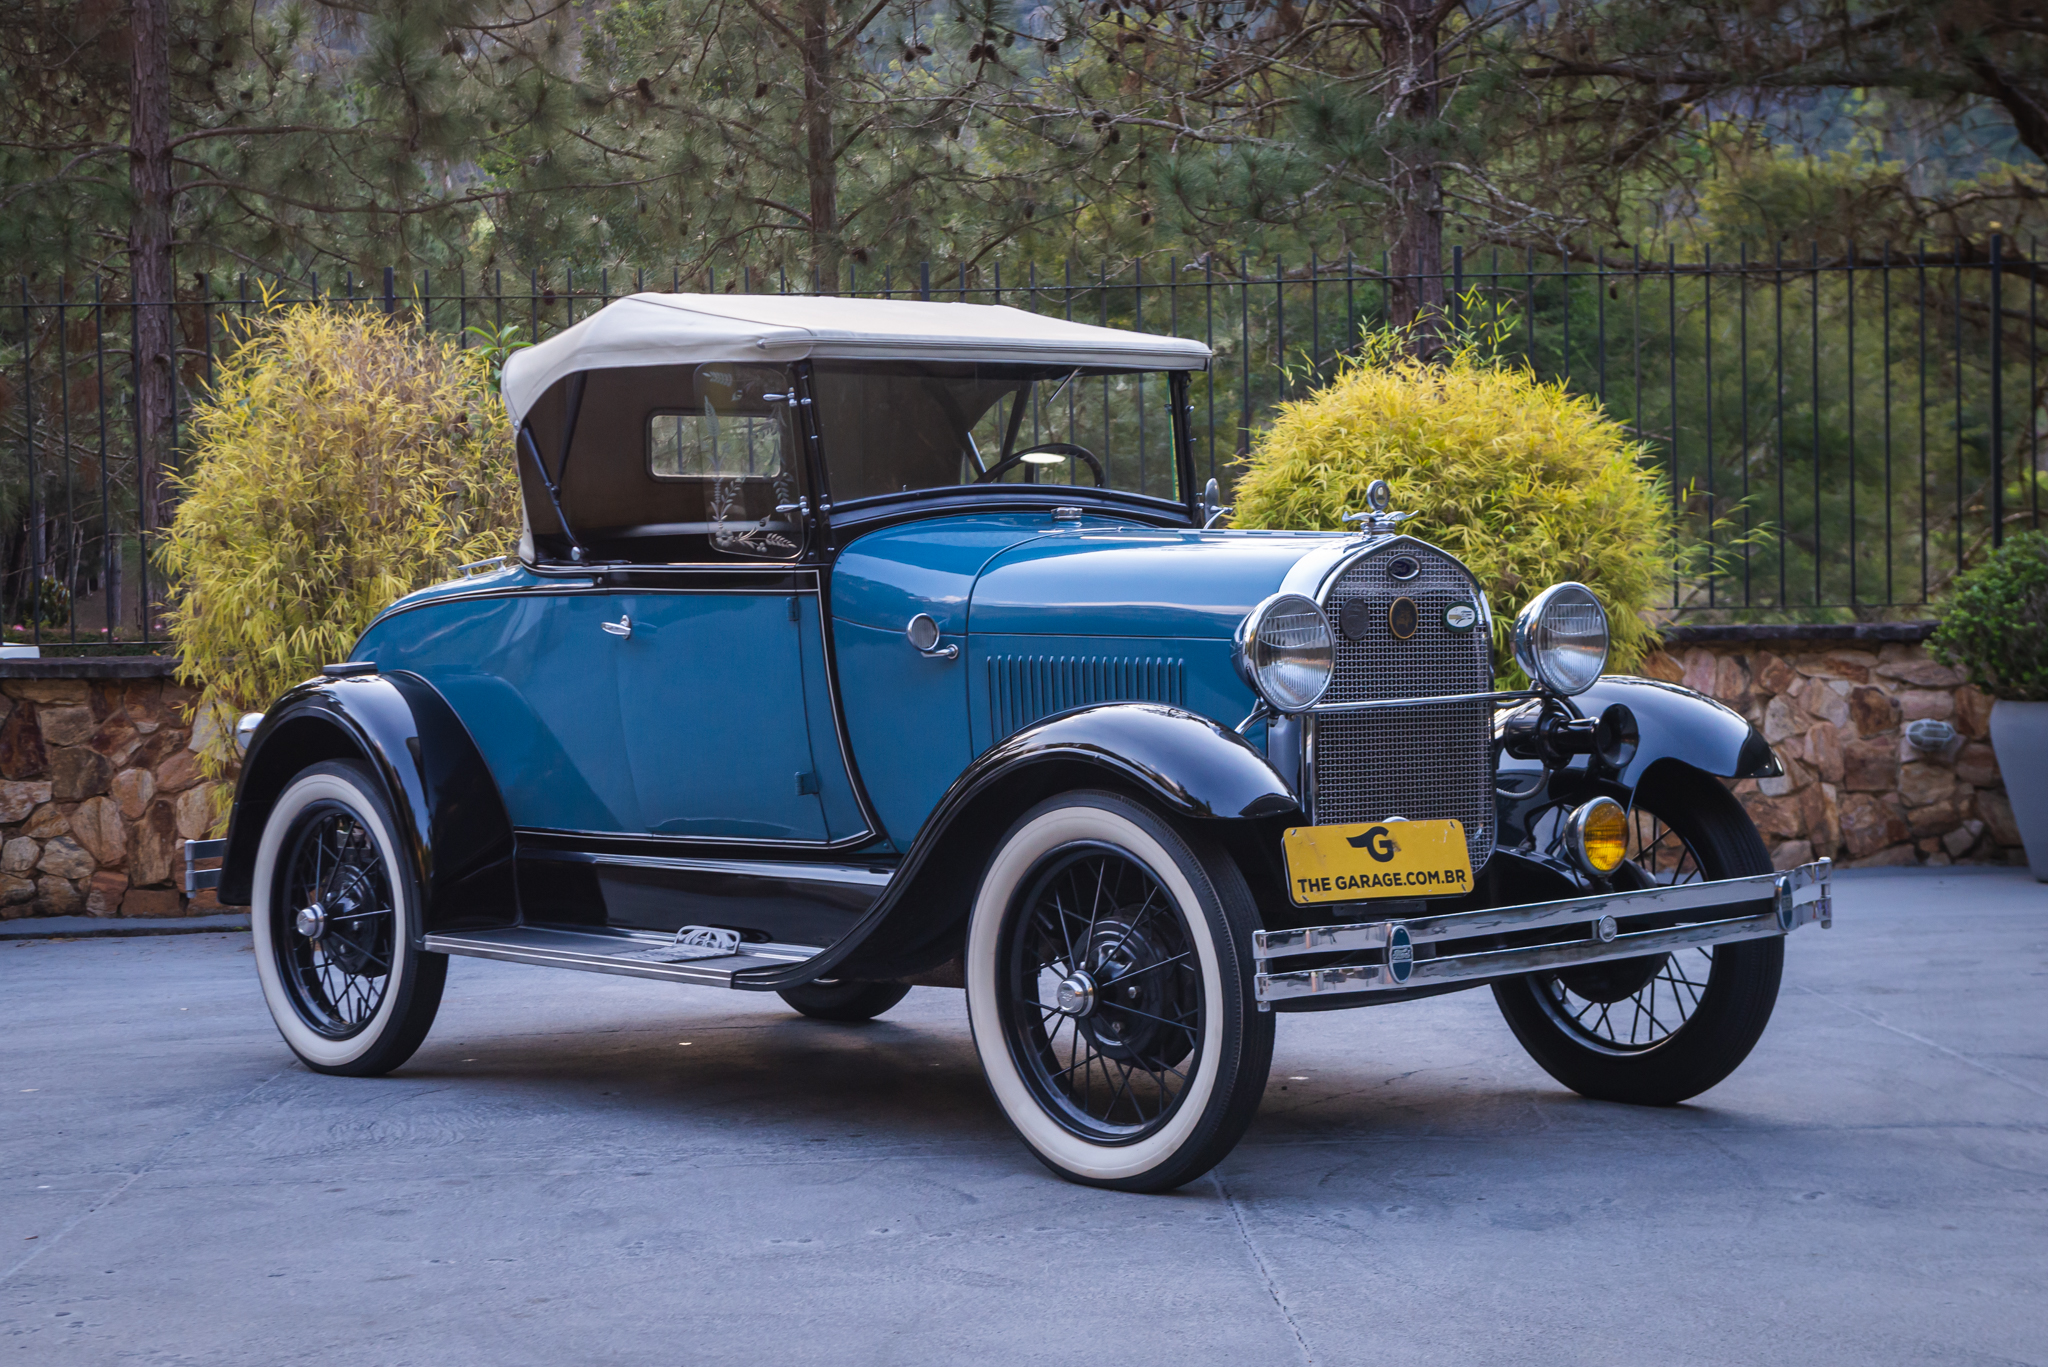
x=719, y=720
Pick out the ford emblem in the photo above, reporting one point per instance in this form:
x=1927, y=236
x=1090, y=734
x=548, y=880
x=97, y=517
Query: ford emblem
x=1400, y=953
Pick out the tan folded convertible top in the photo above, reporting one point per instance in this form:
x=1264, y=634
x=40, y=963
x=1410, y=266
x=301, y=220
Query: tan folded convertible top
x=687, y=329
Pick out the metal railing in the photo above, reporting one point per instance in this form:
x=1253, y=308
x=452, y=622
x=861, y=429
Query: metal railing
x=1840, y=432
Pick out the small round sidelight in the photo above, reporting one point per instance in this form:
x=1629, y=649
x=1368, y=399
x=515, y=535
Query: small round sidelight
x=1286, y=652
x=1560, y=639
x=1596, y=833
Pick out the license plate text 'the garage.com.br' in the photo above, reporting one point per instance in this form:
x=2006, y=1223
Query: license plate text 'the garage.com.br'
x=1377, y=859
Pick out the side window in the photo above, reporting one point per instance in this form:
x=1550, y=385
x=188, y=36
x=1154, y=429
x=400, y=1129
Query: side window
x=706, y=445
x=734, y=447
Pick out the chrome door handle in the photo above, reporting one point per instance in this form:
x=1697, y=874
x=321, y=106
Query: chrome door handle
x=622, y=628
x=923, y=635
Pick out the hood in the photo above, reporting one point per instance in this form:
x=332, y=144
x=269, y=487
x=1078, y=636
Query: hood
x=1135, y=582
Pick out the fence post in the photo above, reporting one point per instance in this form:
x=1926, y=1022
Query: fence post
x=390, y=292
x=1457, y=285
x=1997, y=391
x=924, y=280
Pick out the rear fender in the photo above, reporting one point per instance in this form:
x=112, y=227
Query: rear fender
x=1184, y=764
x=452, y=821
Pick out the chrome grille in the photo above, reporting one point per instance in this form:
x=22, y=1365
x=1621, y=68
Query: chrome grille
x=1423, y=763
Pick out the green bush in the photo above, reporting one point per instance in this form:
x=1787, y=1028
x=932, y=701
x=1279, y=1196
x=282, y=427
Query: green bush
x=1996, y=626
x=340, y=461
x=1525, y=483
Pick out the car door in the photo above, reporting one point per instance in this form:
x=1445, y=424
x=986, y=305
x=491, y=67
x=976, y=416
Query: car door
x=713, y=706
x=524, y=665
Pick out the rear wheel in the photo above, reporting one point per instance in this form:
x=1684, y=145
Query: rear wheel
x=1659, y=1029
x=843, y=999
x=1109, y=987
x=334, y=917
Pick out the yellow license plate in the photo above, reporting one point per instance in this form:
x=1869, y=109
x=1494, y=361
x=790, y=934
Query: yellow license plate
x=1377, y=859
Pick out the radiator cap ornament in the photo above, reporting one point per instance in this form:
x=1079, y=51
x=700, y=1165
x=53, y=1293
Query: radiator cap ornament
x=1379, y=497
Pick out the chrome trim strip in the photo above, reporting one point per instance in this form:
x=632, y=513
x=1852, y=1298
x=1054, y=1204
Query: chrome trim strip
x=756, y=868
x=1798, y=897
x=590, y=842
x=589, y=951
x=1375, y=703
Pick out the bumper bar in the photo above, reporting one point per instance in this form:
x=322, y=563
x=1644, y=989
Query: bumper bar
x=1403, y=954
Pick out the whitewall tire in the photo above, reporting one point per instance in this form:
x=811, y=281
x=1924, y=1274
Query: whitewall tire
x=335, y=917
x=1109, y=988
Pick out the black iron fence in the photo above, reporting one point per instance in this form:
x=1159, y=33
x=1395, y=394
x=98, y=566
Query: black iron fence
x=1840, y=432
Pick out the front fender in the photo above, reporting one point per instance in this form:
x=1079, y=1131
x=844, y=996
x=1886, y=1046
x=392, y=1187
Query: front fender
x=1677, y=723
x=457, y=833
x=1186, y=764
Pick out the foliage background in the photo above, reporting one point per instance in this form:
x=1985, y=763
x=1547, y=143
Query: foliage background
x=1524, y=482
x=341, y=462
x=1996, y=625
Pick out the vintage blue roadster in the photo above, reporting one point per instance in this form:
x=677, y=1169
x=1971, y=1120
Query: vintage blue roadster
x=852, y=645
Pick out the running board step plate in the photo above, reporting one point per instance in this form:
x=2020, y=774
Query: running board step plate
x=632, y=953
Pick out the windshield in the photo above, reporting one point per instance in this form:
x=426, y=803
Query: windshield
x=899, y=426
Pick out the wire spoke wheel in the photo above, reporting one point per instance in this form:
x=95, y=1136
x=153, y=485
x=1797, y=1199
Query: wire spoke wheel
x=333, y=921
x=1632, y=1005
x=1100, y=996
x=1658, y=1028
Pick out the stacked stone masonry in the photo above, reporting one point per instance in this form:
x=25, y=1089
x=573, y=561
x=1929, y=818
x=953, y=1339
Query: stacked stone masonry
x=100, y=786
x=1855, y=788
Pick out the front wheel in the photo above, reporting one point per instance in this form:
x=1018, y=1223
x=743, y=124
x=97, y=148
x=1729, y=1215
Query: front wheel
x=1659, y=1029
x=335, y=919
x=1109, y=988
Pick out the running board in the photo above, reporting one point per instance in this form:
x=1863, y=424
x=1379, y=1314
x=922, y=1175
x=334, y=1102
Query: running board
x=630, y=953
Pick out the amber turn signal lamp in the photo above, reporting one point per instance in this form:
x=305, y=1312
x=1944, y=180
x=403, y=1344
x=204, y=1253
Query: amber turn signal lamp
x=1597, y=834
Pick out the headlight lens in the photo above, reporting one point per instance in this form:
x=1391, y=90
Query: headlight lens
x=1286, y=653
x=1597, y=835
x=1561, y=639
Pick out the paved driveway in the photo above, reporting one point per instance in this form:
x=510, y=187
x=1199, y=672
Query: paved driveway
x=582, y=1169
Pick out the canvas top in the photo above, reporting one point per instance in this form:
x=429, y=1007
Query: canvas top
x=689, y=329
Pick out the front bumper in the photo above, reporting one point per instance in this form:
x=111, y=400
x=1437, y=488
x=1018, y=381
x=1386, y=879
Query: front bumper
x=1425, y=951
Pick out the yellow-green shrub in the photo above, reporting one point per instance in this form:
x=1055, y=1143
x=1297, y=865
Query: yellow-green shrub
x=340, y=461
x=1525, y=483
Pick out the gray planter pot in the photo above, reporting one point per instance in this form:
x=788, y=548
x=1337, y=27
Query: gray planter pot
x=2019, y=737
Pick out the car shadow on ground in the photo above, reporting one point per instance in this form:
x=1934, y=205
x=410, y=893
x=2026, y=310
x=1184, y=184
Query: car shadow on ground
x=772, y=1080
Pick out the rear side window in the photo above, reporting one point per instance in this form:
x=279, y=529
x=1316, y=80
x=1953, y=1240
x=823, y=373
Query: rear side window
x=671, y=465
x=708, y=445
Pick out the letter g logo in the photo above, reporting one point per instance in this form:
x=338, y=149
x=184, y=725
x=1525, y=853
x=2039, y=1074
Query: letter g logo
x=1375, y=842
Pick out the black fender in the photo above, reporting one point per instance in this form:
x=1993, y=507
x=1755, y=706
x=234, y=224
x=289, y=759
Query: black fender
x=451, y=817
x=1677, y=723
x=1187, y=765
x=1674, y=726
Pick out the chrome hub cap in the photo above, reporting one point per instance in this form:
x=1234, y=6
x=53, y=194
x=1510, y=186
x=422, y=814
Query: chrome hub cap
x=311, y=922
x=1076, y=993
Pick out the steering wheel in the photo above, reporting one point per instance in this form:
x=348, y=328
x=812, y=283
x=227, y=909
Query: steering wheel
x=1055, y=448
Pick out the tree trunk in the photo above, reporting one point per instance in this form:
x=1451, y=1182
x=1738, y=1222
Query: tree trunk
x=149, y=251
x=1415, y=257
x=821, y=168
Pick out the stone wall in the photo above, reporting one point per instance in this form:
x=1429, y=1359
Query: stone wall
x=99, y=789
x=1835, y=703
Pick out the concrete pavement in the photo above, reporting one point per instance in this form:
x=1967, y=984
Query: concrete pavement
x=586, y=1169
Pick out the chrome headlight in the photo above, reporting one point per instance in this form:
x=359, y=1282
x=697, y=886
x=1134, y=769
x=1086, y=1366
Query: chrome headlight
x=1561, y=639
x=1286, y=652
